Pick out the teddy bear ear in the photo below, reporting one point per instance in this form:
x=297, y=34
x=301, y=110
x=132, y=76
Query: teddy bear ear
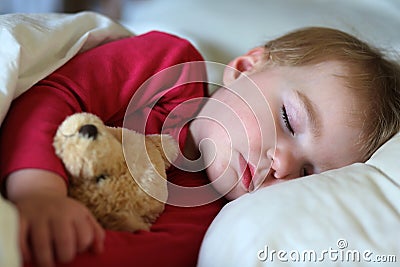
x=167, y=146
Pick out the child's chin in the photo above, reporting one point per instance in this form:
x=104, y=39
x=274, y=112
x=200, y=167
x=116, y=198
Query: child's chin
x=235, y=193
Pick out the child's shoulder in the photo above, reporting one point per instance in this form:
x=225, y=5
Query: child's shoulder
x=148, y=51
x=155, y=34
x=158, y=40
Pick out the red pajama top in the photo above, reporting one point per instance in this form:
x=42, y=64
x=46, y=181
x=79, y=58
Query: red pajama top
x=103, y=81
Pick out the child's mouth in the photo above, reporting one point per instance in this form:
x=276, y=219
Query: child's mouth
x=247, y=174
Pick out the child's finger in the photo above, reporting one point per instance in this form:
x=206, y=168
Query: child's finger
x=85, y=234
x=41, y=245
x=23, y=239
x=64, y=238
x=99, y=236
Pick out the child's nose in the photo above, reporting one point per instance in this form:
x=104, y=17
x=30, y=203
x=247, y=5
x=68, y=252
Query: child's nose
x=284, y=164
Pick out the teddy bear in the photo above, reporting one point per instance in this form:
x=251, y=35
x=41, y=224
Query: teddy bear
x=119, y=174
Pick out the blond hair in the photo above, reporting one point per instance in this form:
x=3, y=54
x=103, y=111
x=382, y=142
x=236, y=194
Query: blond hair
x=372, y=77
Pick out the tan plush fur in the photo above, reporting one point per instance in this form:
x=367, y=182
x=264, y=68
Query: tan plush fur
x=113, y=170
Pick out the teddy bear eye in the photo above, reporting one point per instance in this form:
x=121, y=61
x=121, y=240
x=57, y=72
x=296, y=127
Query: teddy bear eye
x=100, y=178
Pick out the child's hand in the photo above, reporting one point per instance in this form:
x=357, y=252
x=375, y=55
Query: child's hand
x=57, y=228
x=54, y=227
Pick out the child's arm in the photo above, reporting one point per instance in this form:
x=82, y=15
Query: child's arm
x=101, y=81
x=51, y=220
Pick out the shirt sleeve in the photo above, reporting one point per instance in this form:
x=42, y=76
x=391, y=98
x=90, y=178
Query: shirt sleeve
x=102, y=81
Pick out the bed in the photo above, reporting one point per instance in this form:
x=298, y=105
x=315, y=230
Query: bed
x=348, y=216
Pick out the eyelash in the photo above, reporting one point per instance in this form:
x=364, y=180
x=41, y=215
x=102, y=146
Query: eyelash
x=286, y=120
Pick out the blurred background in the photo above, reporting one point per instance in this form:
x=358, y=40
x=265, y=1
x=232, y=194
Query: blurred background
x=224, y=29
x=111, y=8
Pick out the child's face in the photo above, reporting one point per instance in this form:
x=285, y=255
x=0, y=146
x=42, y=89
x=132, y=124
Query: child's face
x=307, y=127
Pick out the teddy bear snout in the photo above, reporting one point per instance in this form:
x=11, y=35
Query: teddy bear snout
x=88, y=131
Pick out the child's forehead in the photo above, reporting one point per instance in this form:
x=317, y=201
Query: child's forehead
x=328, y=70
x=325, y=67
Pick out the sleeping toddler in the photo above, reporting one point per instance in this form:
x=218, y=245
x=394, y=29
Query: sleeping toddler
x=309, y=101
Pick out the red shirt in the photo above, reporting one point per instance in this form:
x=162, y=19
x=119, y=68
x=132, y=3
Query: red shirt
x=103, y=81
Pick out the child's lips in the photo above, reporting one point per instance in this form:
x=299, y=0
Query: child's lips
x=247, y=171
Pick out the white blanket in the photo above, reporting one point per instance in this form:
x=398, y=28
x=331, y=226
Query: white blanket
x=33, y=46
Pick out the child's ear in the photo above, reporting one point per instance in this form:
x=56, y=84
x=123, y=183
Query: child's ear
x=245, y=63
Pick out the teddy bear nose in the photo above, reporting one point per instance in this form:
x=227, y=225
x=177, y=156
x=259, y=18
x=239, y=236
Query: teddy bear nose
x=88, y=131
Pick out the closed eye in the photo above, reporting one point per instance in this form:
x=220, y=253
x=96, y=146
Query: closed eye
x=286, y=120
x=307, y=170
x=100, y=178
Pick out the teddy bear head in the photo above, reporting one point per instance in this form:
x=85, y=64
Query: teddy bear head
x=119, y=174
